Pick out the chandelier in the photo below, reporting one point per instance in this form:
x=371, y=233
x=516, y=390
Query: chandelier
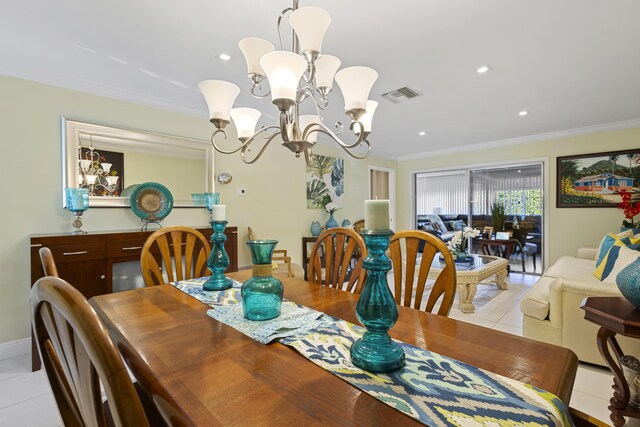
x=303, y=74
x=95, y=173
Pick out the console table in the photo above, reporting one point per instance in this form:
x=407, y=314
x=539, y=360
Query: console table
x=614, y=315
x=86, y=260
x=508, y=245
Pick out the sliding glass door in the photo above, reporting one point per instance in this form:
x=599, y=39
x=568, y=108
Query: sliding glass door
x=469, y=194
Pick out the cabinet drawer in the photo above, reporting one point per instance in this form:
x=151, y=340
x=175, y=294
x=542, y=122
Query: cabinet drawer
x=125, y=248
x=77, y=252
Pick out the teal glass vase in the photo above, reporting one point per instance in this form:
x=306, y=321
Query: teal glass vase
x=218, y=260
x=331, y=222
x=377, y=310
x=262, y=294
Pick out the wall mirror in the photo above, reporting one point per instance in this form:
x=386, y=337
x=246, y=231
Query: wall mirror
x=111, y=161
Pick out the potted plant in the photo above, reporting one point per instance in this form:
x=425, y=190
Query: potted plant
x=498, y=215
x=459, y=242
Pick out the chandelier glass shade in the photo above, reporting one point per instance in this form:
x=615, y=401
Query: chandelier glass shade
x=95, y=174
x=302, y=74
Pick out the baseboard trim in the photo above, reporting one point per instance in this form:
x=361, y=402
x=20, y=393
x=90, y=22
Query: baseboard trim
x=15, y=348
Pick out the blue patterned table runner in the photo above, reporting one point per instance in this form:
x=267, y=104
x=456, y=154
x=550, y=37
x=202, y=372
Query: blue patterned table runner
x=431, y=388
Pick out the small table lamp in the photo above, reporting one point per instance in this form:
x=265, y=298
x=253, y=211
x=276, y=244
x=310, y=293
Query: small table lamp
x=77, y=202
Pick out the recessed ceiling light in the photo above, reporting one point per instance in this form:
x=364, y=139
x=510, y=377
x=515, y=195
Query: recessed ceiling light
x=422, y=133
x=224, y=56
x=523, y=113
x=483, y=69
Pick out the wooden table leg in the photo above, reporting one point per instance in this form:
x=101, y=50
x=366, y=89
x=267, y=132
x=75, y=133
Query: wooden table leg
x=620, y=399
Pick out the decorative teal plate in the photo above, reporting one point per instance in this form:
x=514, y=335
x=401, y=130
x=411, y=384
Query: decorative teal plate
x=151, y=201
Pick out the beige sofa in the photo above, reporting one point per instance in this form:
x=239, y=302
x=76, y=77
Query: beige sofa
x=551, y=308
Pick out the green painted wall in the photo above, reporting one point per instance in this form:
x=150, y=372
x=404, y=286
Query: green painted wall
x=31, y=173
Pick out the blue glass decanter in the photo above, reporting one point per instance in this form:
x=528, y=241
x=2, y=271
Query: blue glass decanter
x=262, y=294
x=377, y=310
x=218, y=260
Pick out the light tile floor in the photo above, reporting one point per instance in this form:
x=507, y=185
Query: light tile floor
x=26, y=398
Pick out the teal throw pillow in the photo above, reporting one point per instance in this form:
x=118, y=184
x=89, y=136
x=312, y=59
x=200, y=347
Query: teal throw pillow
x=607, y=243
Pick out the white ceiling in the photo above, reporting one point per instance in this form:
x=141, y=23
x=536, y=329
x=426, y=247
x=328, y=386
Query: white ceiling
x=571, y=63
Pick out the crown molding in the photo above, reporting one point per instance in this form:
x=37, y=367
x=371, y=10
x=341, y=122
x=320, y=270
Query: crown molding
x=100, y=89
x=525, y=139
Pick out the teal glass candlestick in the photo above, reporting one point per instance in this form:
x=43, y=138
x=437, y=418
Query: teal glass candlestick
x=218, y=259
x=262, y=294
x=377, y=310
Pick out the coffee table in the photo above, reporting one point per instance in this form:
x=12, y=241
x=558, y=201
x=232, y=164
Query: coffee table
x=472, y=273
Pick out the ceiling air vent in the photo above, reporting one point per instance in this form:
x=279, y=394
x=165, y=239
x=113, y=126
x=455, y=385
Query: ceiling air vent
x=400, y=95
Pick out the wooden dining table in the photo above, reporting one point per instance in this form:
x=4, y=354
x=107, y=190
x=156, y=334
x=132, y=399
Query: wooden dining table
x=201, y=372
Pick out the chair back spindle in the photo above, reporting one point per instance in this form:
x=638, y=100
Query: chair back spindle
x=408, y=287
x=78, y=356
x=336, y=260
x=173, y=254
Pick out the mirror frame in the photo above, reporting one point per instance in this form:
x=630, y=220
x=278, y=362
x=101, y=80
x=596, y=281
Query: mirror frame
x=136, y=139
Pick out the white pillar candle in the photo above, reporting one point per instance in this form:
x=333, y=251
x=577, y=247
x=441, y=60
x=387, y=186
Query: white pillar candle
x=219, y=213
x=376, y=214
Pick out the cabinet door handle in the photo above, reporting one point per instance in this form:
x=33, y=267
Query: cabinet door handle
x=132, y=248
x=102, y=276
x=75, y=253
x=36, y=245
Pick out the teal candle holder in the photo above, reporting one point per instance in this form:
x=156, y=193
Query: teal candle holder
x=77, y=201
x=377, y=310
x=218, y=260
x=262, y=294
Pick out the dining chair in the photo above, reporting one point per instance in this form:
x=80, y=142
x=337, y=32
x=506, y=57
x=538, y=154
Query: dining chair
x=406, y=286
x=48, y=263
x=172, y=254
x=79, y=356
x=281, y=257
x=336, y=260
x=524, y=248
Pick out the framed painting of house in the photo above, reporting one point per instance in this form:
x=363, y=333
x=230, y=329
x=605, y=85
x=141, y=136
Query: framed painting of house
x=594, y=180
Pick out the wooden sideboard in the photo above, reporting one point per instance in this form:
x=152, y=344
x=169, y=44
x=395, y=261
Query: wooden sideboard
x=86, y=260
